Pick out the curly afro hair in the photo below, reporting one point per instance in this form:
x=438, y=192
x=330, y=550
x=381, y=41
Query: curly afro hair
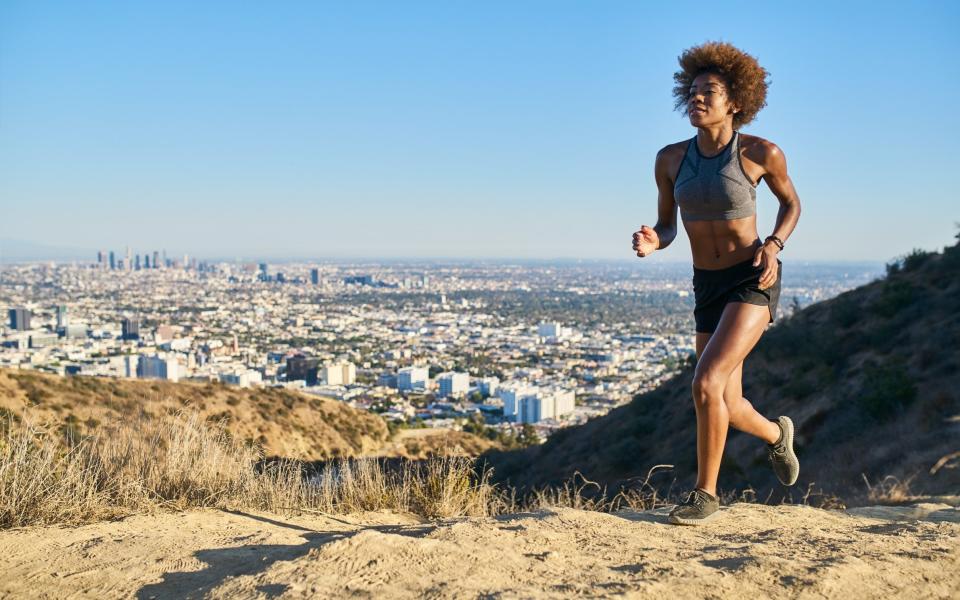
x=746, y=80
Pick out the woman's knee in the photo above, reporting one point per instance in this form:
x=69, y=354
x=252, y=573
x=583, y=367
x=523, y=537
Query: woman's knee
x=708, y=386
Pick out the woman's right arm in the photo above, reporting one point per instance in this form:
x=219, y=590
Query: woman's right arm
x=647, y=239
x=664, y=170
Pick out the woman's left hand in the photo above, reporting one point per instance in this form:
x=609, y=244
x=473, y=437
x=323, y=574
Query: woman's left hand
x=766, y=256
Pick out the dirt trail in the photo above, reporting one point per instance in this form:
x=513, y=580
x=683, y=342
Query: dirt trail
x=753, y=551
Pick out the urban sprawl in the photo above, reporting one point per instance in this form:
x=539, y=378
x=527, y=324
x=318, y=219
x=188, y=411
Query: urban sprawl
x=425, y=343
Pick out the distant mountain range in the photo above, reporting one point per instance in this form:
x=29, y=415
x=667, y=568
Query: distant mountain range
x=871, y=379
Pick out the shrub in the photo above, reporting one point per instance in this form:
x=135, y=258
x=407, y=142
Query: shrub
x=887, y=389
x=845, y=311
x=798, y=387
x=894, y=295
x=909, y=262
x=893, y=267
x=916, y=258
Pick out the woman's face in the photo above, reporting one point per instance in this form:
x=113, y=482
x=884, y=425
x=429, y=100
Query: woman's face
x=708, y=103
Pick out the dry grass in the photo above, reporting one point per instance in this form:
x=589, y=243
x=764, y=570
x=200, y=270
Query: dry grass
x=180, y=461
x=283, y=422
x=42, y=482
x=888, y=490
x=439, y=487
x=582, y=494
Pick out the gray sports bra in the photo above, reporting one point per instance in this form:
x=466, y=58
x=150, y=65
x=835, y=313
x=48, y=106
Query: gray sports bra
x=710, y=188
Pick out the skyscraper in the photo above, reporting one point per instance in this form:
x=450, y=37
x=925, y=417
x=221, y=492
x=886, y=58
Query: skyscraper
x=156, y=260
x=113, y=261
x=158, y=367
x=63, y=319
x=453, y=384
x=131, y=328
x=315, y=276
x=303, y=368
x=20, y=319
x=412, y=378
x=344, y=373
x=512, y=396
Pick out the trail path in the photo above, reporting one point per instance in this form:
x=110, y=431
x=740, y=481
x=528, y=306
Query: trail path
x=753, y=551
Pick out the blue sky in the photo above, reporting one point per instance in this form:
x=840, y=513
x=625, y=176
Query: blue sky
x=454, y=129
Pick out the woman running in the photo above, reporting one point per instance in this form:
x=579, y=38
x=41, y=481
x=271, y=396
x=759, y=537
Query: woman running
x=736, y=276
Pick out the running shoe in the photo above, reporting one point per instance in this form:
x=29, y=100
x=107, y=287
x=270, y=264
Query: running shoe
x=699, y=507
x=782, y=456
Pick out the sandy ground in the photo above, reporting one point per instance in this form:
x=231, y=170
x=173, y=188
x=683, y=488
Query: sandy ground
x=754, y=551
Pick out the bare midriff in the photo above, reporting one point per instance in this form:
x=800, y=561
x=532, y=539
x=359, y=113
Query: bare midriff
x=721, y=244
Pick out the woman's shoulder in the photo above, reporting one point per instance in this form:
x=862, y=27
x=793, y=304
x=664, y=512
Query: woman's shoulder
x=757, y=149
x=673, y=153
x=674, y=148
x=668, y=161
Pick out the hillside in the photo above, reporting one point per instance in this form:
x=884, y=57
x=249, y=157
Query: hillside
x=285, y=423
x=870, y=378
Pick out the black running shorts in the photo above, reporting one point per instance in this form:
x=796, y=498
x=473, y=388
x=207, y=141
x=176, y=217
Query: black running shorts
x=712, y=289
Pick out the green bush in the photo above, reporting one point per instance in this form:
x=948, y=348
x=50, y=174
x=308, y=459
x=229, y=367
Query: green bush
x=887, y=390
x=893, y=267
x=798, y=387
x=845, y=311
x=916, y=258
x=893, y=296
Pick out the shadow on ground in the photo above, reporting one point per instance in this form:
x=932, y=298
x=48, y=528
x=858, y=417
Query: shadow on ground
x=235, y=561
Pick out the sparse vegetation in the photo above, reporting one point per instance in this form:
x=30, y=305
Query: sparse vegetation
x=888, y=389
x=292, y=424
x=180, y=461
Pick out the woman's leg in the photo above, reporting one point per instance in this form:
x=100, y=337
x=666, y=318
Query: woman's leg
x=740, y=327
x=743, y=417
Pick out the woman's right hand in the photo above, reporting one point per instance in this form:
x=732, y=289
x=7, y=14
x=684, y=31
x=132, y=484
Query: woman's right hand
x=645, y=241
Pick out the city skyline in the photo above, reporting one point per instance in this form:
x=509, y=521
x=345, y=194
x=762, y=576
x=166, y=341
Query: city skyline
x=429, y=131
x=26, y=253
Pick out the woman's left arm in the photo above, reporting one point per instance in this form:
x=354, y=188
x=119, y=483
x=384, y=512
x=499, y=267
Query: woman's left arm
x=775, y=167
